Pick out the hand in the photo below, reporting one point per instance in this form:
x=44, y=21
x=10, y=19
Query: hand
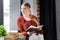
x=40, y=27
x=30, y=33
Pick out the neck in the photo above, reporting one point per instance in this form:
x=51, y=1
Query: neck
x=26, y=17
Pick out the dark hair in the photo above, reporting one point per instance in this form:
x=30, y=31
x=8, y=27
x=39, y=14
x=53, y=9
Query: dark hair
x=27, y=5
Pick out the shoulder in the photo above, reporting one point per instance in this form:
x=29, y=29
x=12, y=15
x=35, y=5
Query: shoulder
x=34, y=16
x=20, y=18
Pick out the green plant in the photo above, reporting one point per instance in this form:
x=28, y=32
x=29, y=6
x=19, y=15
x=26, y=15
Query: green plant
x=3, y=31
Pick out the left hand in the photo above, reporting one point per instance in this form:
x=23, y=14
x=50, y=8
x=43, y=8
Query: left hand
x=40, y=27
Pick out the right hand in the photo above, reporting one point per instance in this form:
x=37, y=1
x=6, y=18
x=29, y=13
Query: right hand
x=30, y=33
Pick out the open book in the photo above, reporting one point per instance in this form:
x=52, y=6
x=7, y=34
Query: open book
x=32, y=28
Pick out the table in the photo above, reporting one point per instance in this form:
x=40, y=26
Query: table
x=14, y=36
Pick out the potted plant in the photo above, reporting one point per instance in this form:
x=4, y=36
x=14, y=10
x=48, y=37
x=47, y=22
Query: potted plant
x=3, y=32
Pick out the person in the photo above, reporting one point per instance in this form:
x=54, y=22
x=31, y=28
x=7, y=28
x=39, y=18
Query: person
x=26, y=20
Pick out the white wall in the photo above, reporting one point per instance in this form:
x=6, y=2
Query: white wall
x=11, y=11
x=14, y=13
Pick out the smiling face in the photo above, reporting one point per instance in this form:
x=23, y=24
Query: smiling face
x=25, y=9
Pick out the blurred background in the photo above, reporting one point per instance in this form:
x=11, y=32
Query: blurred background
x=11, y=11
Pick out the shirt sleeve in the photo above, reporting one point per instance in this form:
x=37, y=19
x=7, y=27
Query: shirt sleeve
x=25, y=25
x=20, y=26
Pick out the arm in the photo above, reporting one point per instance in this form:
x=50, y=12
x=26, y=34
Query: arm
x=20, y=26
x=35, y=19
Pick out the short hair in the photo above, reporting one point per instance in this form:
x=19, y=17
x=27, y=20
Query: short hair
x=26, y=4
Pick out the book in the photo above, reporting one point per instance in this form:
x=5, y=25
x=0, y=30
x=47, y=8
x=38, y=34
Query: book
x=32, y=28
